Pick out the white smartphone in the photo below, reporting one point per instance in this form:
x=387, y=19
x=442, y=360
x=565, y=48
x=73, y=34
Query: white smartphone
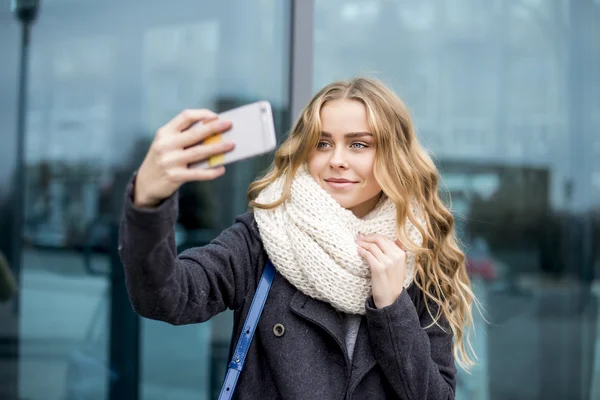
x=252, y=131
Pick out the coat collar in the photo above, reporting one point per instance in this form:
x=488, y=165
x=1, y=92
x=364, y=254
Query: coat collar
x=320, y=314
x=326, y=317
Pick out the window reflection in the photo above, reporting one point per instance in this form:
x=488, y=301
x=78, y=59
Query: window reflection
x=506, y=96
x=102, y=80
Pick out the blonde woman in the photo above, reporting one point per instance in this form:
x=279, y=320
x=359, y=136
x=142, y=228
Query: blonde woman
x=370, y=299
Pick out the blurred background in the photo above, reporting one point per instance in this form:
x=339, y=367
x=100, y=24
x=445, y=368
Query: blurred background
x=505, y=94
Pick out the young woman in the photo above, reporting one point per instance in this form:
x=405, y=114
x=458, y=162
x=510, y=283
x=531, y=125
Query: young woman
x=371, y=299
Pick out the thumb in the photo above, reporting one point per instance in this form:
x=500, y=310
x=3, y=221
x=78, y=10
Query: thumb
x=399, y=244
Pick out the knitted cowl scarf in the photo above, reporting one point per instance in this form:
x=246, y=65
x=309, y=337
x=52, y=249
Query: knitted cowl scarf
x=310, y=239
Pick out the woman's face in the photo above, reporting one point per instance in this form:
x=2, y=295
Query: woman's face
x=342, y=163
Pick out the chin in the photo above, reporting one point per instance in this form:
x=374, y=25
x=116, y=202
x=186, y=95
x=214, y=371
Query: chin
x=344, y=202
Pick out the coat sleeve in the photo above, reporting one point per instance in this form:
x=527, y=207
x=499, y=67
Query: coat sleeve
x=416, y=358
x=190, y=287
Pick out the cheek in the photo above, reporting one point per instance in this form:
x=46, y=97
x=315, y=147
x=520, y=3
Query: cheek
x=365, y=166
x=374, y=187
x=315, y=164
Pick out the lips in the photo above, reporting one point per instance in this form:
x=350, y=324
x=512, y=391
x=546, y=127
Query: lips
x=338, y=180
x=339, y=183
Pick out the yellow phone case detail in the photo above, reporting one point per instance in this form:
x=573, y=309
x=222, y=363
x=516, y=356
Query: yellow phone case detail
x=218, y=159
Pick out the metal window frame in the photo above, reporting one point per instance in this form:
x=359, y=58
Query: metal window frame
x=301, y=55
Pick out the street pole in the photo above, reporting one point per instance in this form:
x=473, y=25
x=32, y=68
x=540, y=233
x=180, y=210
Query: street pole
x=26, y=12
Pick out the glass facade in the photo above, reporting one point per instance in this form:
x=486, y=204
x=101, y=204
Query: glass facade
x=505, y=94
x=102, y=78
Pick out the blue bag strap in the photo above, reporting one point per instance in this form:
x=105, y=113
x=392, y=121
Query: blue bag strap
x=241, y=349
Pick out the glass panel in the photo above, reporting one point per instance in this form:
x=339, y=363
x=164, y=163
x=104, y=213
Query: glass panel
x=103, y=77
x=9, y=319
x=506, y=95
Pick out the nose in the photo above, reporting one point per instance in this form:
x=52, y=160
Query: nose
x=338, y=159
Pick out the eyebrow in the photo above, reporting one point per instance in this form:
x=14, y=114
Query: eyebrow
x=350, y=135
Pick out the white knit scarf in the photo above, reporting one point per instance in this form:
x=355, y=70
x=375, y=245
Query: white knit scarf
x=310, y=239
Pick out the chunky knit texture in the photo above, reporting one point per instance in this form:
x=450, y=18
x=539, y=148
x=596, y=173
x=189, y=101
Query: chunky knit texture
x=310, y=239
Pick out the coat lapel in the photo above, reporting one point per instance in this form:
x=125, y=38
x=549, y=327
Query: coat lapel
x=327, y=318
x=320, y=314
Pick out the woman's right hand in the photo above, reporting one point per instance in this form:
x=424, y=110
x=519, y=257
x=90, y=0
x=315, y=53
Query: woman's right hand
x=175, y=146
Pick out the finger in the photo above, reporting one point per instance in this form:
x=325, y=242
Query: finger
x=369, y=257
x=392, y=249
x=374, y=250
x=203, y=151
x=386, y=245
x=187, y=118
x=199, y=132
x=201, y=174
x=400, y=245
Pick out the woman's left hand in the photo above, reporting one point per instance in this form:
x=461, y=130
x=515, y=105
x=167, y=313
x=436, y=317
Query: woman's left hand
x=387, y=260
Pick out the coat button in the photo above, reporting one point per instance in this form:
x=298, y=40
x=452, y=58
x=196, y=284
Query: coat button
x=279, y=330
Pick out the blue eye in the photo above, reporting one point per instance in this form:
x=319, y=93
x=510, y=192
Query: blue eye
x=322, y=144
x=359, y=145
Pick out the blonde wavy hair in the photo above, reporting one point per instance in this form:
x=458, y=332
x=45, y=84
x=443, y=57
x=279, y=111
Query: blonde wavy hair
x=405, y=173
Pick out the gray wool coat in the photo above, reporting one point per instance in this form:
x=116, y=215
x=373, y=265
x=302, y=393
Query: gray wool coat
x=396, y=354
